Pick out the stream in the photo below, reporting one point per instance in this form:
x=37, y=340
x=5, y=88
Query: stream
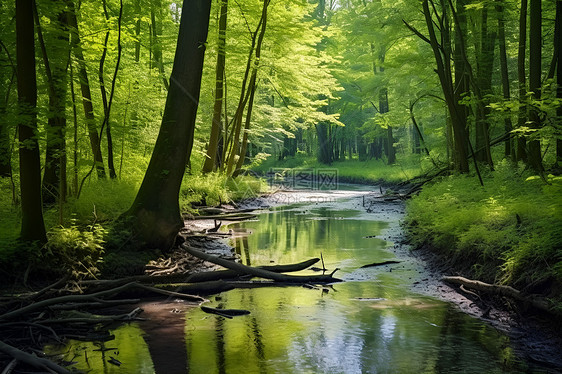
x=376, y=321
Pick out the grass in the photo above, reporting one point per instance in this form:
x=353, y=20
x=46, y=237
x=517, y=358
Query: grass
x=77, y=242
x=509, y=231
x=351, y=171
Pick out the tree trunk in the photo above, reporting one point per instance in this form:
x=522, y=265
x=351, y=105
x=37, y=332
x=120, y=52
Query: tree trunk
x=522, y=78
x=252, y=88
x=138, y=13
x=234, y=136
x=87, y=102
x=54, y=178
x=462, y=79
x=5, y=149
x=155, y=18
x=156, y=211
x=212, y=160
x=110, y=163
x=558, y=42
x=458, y=121
x=485, y=66
x=535, y=60
x=509, y=151
x=32, y=226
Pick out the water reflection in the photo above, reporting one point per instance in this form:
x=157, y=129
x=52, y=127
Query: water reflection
x=369, y=324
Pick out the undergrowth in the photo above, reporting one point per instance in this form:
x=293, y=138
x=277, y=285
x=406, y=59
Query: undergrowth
x=352, y=171
x=509, y=231
x=77, y=238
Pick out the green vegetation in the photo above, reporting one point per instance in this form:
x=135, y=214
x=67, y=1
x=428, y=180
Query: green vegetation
x=508, y=231
x=352, y=171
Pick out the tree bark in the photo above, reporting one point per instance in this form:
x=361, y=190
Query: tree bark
x=509, y=151
x=32, y=226
x=212, y=160
x=87, y=102
x=485, y=66
x=535, y=70
x=458, y=121
x=252, y=88
x=521, y=153
x=558, y=42
x=110, y=163
x=155, y=210
x=54, y=178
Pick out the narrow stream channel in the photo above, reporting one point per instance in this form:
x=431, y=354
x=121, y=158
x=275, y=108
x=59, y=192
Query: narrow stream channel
x=372, y=323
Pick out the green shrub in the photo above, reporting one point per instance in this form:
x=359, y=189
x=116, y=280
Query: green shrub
x=70, y=249
x=508, y=231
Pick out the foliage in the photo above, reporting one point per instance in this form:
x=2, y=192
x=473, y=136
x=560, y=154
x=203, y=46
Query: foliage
x=74, y=250
x=508, y=231
x=352, y=171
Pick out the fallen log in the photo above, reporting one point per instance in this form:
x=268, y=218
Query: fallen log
x=36, y=362
x=90, y=297
x=536, y=301
x=230, y=274
x=380, y=264
x=261, y=272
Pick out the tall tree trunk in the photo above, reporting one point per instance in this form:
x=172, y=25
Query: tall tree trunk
x=462, y=79
x=458, y=122
x=54, y=178
x=509, y=151
x=212, y=160
x=233, y=139
x=32, y=225
x=521, y=153
x=156, y=211
x=138, y=13
x=558, y=42
x=87, y=102
x=110, y=163
x=155, y=18
x=485, y=65
x=252, y=87
x=5, y=148
x=535, y=70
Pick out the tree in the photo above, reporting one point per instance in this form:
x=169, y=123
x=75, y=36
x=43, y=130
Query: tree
x=87, y=101
x=155, y=211
x=54, y=43
x=32, y=225
x=535, y=69
x=213, y=158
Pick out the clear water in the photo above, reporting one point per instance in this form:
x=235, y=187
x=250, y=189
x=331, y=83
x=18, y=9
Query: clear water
x=371, y=323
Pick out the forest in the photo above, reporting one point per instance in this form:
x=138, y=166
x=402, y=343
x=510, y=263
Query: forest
x=120, y=119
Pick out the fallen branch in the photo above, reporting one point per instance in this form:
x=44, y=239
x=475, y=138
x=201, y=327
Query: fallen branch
x=91, y=297
x=536, y=301
x=228, y=313
x=380, y=264
x=36, y=362
x=230, y=274
x=261, y=272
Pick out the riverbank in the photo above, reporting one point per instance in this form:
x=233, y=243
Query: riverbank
x=507, y=232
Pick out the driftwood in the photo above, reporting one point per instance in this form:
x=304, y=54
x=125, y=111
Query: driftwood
x=91, y=297
x=380, y=264
x=535, y=301
x=228, y=313
x=230, y=274
x=261, y=272
x=37, y=362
